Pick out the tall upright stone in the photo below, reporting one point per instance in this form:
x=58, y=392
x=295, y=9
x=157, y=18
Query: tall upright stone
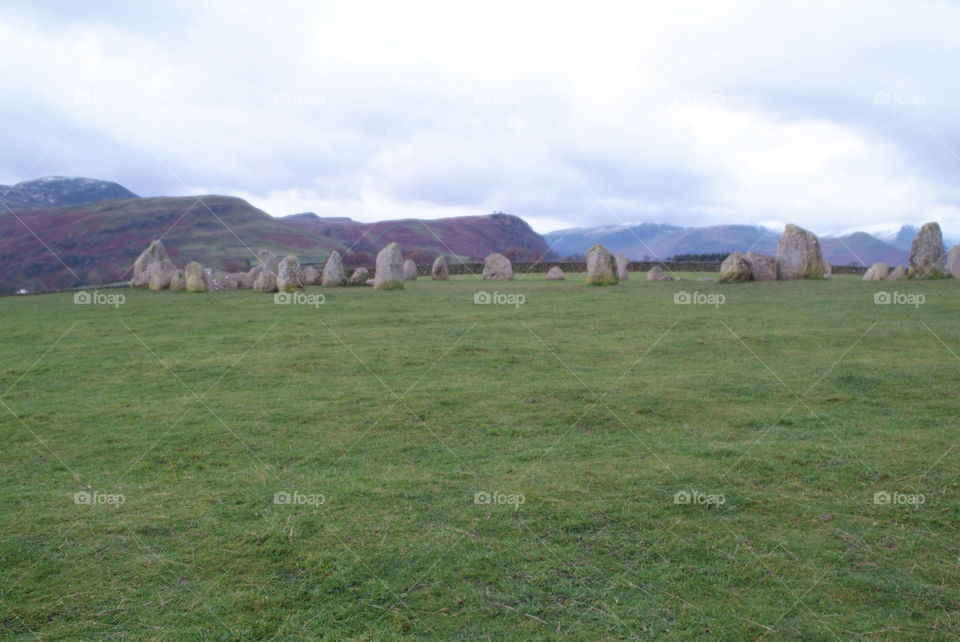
x=926, y=253
x=409, y=270
x=288, y=275
x=623, y=263
x=159, y=276
x=267, y=260
x=439, y=271
x=333, y=274
x=389, y=274
x=155, y=253
x=178, y=280
x=601, y=266
x=195, y=279
x=799, y=255
x=496, y=267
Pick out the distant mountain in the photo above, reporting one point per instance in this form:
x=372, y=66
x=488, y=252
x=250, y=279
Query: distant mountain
x=661, y=241
x=57, y=191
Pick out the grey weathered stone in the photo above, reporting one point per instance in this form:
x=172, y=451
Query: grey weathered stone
x=266, y=281
x=159, y=275
x=155, y=253
x=288, y=274
x=238, y=280
x=735, y=268
x=951, y=262
x=898, y=273
x=762, y=267
x=195, y=278
x=389, y=274
x=622, y=264
x=178, y=280
x=601, y=266
x=496, y=267
x=656, y=274
x=926, y=253
x=359, y=276
x=409, y=270
x=877, y=272
x=799, y=255
x=555, y=274
x=439, y=271
x=267, y=260
x=310, y=275
x=333, y=274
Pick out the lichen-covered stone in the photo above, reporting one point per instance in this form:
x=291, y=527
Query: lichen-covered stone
x=496, y=267
x=333, y=274
x=799, y=255
x=601, y=266
x=439, y=271
x=389, y=274
x=195, y=278
x=409, y=270
x=266, y=281
x=926, y=253
x=288, y=275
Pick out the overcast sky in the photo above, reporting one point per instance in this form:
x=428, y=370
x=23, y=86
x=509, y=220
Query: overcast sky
x=834, y=115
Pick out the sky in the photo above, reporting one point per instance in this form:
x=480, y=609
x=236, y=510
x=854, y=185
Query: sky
x=835, y=115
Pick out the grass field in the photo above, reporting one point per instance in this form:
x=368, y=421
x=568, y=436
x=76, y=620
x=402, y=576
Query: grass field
x=409, y=464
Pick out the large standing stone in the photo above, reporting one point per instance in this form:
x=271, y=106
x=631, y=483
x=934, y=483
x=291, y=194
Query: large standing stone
x=799, y=255
x=926, y=253
x=951, y=265
x=898, y=273
x=159, y=276
x=409, y=270
x=440, y=271
x=555, y=274
x=601, y=266
x=310, y=275
x=266, y=281
x=333, y=273
x=155, y=253
x=195, y=278
x=288, y=275
x=622, y=264
x=496, y=267
x=877, y=272
x=389, y=275
x=359, y=277
x=267, y=260
x=178, y=280
x=736, y=268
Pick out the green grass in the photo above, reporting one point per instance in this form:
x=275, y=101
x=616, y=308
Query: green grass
x=796, y=402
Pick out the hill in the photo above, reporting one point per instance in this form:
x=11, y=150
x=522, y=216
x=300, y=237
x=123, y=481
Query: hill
x=57, y=191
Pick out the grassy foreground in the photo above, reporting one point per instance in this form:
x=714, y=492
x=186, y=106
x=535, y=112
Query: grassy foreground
x=591, y=463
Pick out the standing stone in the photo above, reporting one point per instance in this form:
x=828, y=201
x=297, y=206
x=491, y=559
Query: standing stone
x=555, y=274
x=622, y=264
x=359, y=277
x=799, y=255
x=409, y=270
x=898, y=273
x=926, y=253
x=288, y=275
x=440, y=271
x=155, y=253
x=267, y=260
x=762, y=267
x=309, y=275
x=827, y=269
x=333, y=274
x=496, y=267
x=159, y=276
x=178, y=280
x=218, y=280
x=266, y=281
x=389, y=275
x=194, y=278
x=736, y=268
x=951, y=265
x=656, y=274
x=877, y=272
x=601, y=266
